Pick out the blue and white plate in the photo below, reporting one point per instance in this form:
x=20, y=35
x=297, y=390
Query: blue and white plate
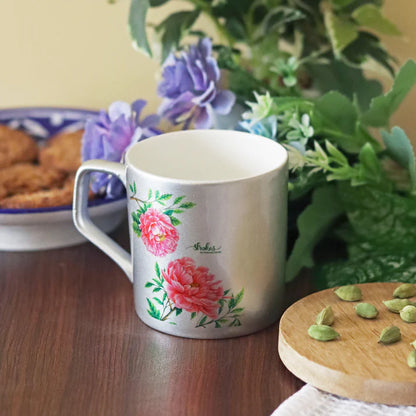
x=46, y=228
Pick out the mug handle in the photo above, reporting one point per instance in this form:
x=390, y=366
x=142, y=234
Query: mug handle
x=83, y=221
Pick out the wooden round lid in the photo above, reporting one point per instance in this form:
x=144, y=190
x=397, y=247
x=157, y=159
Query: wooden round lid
x=355, y=365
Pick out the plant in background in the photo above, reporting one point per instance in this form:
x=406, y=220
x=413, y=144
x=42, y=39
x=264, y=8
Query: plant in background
x=297, y=68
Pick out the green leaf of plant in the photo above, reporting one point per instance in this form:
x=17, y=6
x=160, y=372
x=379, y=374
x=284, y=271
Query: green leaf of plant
x=137, y=25
x=217, y=324
x=149, y=284
x=173, y=28
x=178, y=311
x=338, y=111
x=168, y=212
x=178, y=211
x=157, y=3
x=131, y=188
x=174, y=221
x=370, y=16
x=238, y=310
x=400, y=149
x=193, y=314
x=380, y=218
x=134, y=187
x=153, y=311
x=345, y=79
x=341, y=31
x=157, y=289
x=313, y=224
x=187, y=205
x=203, y=320
x=149, y=195
x=370, y=168
x=387, y=267
x=381, y=108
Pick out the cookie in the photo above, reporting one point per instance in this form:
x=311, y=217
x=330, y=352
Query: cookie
x=41, y=199
x=27, y=177
x=44, y=199
x=16, y=146
x=62, y=152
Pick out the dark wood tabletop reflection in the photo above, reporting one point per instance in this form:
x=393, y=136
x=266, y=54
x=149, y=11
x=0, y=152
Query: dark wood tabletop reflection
x=72, y=344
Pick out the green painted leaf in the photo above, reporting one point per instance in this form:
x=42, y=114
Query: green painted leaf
x=157, y=300
x=226, y=292
x=238, y=298
x=168, y=212
x=153, y=311
x=371, y=16
x=131, y=188
x=203, y=320
x=187, y=205
x=178, y=311
x=136, y=229
x=157, y=289
x=149, y=195
x=400, y=149
x=238, y=310
x=173, y=28
x=341, y=3
x=157, y=270
x=134, y=187
x=217, y=324
x=382, y=108
x=231, y=303
x=178, y=211
x=178, y=199
x=341, y=31
x=193, y=314
x=157, y=193
x=137, y=25
x=164, y=197
x=174, y=221
x=149, y=284
x=313, y=224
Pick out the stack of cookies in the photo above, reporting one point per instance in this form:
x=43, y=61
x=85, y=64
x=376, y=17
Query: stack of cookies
x=34, y=177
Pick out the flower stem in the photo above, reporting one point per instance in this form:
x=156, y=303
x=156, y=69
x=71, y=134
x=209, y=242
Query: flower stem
x=166, y=316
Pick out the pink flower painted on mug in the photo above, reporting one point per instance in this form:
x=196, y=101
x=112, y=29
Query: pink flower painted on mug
x=157, y=232
x=192, y=288
x=155, y=221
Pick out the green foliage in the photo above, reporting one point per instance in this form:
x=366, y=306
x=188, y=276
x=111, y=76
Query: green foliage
x=174, y=28
x=400, y=149
x=370, y=16
x=137, y=25
x=381, y=108
x=313, y=224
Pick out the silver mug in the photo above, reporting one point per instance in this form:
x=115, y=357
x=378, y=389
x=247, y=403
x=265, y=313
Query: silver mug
x=207, y=220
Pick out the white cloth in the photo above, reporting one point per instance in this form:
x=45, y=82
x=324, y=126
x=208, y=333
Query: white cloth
x=309, y=401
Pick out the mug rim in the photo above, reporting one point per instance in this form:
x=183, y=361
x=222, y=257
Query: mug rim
x=282, y=162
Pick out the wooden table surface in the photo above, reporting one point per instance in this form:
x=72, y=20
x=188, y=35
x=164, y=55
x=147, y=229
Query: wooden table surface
x=72, y=344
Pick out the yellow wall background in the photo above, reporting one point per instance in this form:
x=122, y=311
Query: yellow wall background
x=78, y=53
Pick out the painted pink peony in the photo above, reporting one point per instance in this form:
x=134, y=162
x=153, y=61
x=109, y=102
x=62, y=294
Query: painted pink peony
x=157, y=232
x=193, y=288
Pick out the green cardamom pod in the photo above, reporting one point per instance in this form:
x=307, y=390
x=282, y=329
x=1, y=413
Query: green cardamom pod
x=408, y=314
x=396, y=305
x=406, y=290
x=322, y=332
x=326, y=316
x=366, y=310
x=390, y=335
x=349, y=293
x=411, y=359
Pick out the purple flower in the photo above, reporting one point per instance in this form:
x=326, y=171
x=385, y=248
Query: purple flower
x=190, y=87
x=109, y=135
